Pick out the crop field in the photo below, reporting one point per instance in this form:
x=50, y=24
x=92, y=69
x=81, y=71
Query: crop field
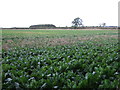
x=60, y=59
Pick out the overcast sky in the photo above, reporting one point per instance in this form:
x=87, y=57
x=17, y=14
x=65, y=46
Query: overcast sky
x=23, y=13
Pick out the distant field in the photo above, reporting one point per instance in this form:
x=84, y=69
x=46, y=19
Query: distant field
x=60, y=59
x=31, y=38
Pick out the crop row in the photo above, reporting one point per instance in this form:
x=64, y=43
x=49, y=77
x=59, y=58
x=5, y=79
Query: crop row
x=82, y=65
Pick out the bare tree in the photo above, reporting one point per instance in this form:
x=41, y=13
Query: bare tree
x=102, y=24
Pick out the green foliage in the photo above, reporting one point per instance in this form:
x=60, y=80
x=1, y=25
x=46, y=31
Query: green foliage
x=82, y=65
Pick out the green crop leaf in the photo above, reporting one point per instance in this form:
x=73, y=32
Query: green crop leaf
x=60, y=59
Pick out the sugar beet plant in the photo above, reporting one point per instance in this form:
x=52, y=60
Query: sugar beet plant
x=82, y=65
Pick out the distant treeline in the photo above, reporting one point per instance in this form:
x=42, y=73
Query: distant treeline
x=42, y=26
x=51, y=26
